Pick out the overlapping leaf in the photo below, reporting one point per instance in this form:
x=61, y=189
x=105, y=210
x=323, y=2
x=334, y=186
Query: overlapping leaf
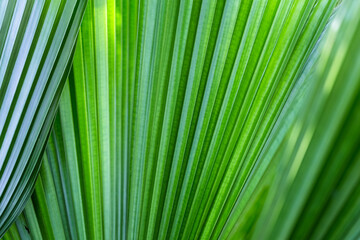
x=37, y=39
x=87, y=149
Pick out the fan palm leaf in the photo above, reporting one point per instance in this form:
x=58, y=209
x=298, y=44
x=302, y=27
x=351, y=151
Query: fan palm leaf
x=205, y=120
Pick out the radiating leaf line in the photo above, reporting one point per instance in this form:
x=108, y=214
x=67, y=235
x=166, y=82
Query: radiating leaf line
x=204, y=120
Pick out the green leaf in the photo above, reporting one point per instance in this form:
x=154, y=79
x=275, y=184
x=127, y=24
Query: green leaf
x=206, y=120
x=37, y=39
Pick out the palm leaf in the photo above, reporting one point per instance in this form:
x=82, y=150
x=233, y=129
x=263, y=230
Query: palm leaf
x=191, y=119
x=37, y=39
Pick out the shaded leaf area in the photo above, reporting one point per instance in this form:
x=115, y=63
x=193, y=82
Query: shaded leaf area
x=313, y=179
x=205, y=120
x=37, y=39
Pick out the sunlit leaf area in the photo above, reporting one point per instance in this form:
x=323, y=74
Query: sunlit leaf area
x=180, y=119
